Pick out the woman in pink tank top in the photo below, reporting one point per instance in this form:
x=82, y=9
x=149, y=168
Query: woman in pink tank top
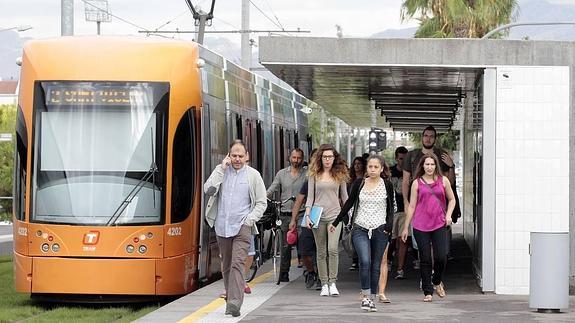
x=431, y=216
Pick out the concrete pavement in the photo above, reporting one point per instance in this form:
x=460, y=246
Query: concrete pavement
x=292, y=302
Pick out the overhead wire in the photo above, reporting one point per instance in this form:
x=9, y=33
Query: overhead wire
x=264, y=14
x=275, y=16
x=172, y=20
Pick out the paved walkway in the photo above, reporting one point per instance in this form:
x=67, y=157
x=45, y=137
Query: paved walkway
x=291, y=302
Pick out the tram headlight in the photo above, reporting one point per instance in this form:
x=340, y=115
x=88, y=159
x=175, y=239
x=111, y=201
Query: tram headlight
x=55, y=247
x=129, y=248
x=150, y=235
x=45, y=247
x=39, y=233
x=142, y=249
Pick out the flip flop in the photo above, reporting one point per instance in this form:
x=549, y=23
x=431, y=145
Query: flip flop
x=383, y=299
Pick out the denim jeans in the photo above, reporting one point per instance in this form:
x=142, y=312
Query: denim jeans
x=370, y=254
x=425, y=241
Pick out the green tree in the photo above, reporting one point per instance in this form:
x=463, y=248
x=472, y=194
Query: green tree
x=7, y=125
x=315, y=127
x=459, y=18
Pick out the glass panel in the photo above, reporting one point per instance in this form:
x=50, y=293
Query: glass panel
x=97, y=146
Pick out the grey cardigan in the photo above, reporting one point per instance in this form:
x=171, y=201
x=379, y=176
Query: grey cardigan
x=257, y=196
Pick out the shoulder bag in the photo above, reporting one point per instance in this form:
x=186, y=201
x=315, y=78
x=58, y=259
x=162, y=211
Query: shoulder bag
x=346, y=236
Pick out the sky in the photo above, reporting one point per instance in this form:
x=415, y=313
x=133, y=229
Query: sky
x=358, y=18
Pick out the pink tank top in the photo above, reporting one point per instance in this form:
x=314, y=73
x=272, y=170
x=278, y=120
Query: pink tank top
x=429, y=214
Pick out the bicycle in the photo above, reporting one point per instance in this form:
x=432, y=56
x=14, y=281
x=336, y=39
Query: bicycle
x=269, y=222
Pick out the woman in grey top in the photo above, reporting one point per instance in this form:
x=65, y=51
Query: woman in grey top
x=328, y=175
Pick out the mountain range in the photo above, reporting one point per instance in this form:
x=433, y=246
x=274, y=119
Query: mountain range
x=529, y=11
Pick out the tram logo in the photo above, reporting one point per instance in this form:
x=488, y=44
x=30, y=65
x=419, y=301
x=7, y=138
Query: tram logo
x=91, y=238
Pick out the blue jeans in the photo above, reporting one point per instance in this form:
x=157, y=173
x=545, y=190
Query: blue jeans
x=369, y=254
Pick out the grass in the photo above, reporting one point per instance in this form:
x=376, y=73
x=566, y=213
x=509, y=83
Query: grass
x=17, y=307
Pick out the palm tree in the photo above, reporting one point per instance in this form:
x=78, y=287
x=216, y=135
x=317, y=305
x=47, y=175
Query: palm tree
x=458, y=18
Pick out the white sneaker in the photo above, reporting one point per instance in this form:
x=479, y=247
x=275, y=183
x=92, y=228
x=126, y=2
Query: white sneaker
x=324, y=290
x=333, y=290
x=372, y=307
x=365, y=304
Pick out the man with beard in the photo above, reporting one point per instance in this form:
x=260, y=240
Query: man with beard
x=289, y=181
x=412, y=159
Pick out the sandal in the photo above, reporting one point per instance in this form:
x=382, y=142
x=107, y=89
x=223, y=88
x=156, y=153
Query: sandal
x=440, y=290
x=383, y=299
x=428, y=298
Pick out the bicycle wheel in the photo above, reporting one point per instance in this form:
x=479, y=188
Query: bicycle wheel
x=257, y=261
x=254, y=267
x=277, y=253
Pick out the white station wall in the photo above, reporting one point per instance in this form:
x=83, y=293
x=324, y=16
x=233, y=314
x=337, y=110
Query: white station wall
x=532, y=166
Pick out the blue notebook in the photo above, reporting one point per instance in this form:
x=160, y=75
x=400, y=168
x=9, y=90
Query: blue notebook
x=314, y=216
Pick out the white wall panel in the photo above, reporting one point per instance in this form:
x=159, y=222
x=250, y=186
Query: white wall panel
x=532, y=166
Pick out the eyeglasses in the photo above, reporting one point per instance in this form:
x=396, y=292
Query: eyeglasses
x=328, y=157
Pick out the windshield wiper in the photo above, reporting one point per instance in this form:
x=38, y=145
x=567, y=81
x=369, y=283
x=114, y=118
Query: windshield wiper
x=130, y=197
x=151, y=173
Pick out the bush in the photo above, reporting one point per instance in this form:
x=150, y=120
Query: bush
x=7, y=125
x=5, y=216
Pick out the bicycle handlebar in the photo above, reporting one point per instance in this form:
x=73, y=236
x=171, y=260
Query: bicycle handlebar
x=281, y=202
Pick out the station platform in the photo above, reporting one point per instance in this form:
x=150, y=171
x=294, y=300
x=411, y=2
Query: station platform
x=291, y=302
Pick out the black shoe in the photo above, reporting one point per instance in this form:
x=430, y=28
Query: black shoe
x=353, y=266
x=310, y=280
x=232, y=310
x=318, y=284
x=284, y=277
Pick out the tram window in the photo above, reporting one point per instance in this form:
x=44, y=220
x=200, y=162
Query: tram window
x=183, y=168
x=98, y=154
x=21, y=157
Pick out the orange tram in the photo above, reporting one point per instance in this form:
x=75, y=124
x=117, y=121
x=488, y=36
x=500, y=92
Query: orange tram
x=115, y=136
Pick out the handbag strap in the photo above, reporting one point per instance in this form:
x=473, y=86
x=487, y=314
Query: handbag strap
x=355, y=205
x=314, y=192
x=435, y=195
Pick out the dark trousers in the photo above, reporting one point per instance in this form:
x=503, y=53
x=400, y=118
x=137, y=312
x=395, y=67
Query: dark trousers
x=370, y=254
x=285, y=217
x=425, y=241
x=234, y=251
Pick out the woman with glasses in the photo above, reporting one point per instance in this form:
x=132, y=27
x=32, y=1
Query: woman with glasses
x=373, y=201
x=328, y=176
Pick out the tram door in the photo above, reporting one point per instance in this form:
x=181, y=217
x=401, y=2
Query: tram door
x=214, y=149
x=250, y=139
x=280, y=157
x=260, y=147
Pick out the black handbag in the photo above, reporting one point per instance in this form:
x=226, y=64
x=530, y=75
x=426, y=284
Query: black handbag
x=346, y=236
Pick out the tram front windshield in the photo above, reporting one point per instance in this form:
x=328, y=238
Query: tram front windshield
x=98, y=153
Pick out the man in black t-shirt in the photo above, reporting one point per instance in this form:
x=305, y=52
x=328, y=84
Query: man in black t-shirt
x=412, y=159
